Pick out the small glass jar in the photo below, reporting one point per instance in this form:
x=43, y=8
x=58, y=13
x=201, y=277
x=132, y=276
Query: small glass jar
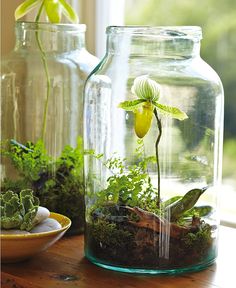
x=41, y=115
x=153, y=130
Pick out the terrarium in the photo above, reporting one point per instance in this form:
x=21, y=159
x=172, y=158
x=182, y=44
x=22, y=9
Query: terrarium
x=41, y=116
x=153, y=121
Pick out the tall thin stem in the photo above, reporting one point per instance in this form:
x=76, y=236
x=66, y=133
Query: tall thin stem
x=45, y=65
x=157, y=157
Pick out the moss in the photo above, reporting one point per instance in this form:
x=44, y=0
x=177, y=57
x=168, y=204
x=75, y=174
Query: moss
x=109, y=235
x=200, y=241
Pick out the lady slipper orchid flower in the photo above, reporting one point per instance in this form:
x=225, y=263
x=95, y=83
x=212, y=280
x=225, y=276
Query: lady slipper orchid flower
x=148, y=92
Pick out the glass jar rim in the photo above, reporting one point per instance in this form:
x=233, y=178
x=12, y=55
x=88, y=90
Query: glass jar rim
x=52, y=27
x=162, y=32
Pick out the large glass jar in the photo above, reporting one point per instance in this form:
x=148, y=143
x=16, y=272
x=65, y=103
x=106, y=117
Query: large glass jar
x=41, y=115
x=153, y=124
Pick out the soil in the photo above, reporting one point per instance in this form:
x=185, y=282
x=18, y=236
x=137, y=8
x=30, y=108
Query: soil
x=123, y=244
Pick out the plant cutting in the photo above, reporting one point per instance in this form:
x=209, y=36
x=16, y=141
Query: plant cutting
x=54, y=9
x=131, y=224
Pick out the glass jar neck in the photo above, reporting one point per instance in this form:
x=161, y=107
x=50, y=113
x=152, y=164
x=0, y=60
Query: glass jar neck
x=56, y=38
x=165, y=42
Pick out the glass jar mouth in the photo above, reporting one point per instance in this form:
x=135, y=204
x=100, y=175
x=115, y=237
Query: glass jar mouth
x=52, y=27
x=160, y=32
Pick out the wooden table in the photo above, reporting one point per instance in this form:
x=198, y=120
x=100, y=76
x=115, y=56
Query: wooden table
x=64, y=265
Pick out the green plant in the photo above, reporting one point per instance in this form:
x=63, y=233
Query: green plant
x=148, y=93
x=128, y=185
x=57, y=182
x=18, y=211
x=54, y=10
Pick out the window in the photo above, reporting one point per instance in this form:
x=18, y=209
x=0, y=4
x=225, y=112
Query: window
x=217, y=49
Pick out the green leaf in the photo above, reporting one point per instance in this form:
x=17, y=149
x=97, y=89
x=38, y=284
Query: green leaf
x=131, y=105
x=25, y=8
x=200, y=211
x=18, y=212
x=170, y=201
x=146, y=88
x=53, y=10
x=69, y=12
x=171, y=111
x=176, y=209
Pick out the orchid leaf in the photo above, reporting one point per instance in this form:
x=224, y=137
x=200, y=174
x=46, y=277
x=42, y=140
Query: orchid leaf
x=131, y=105
x=25, y=8
x=170, y=201
x=178, y=208
x=69, y=12
x=53, y=10
x=171, y=111
x=200, y=211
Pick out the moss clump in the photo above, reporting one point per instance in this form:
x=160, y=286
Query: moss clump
x=200, y=241
x=109, y=235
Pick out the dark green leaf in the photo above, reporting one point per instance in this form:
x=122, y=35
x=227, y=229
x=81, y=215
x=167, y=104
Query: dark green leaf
x=200, y=211
x=170, y=201
x=187, y=202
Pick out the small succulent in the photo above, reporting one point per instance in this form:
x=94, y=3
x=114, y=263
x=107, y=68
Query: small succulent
x=18, y=211
x=54, y=10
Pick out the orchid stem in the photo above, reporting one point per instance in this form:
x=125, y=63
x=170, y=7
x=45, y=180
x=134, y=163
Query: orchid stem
x=157, y=157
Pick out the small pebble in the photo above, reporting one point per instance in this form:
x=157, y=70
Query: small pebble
x=46, y=226
x=42, y=214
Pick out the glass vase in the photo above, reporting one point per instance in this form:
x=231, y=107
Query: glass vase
x=153, y=130
x=41, y=116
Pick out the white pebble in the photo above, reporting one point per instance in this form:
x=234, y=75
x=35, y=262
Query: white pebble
x=42, y=214
x=46, y=226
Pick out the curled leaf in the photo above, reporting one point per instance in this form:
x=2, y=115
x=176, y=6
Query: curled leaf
x=146, y=88
x=25, y=8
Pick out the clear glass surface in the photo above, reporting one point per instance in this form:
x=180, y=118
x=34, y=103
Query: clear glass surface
x=41, y=115
x=128, y=228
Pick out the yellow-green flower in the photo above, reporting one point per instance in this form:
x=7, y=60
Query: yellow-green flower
x=148, y=92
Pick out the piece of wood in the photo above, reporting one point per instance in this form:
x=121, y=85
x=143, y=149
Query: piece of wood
x=151, y=221
x=64, y=265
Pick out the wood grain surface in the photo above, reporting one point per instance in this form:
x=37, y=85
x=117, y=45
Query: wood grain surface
x=64, y=265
